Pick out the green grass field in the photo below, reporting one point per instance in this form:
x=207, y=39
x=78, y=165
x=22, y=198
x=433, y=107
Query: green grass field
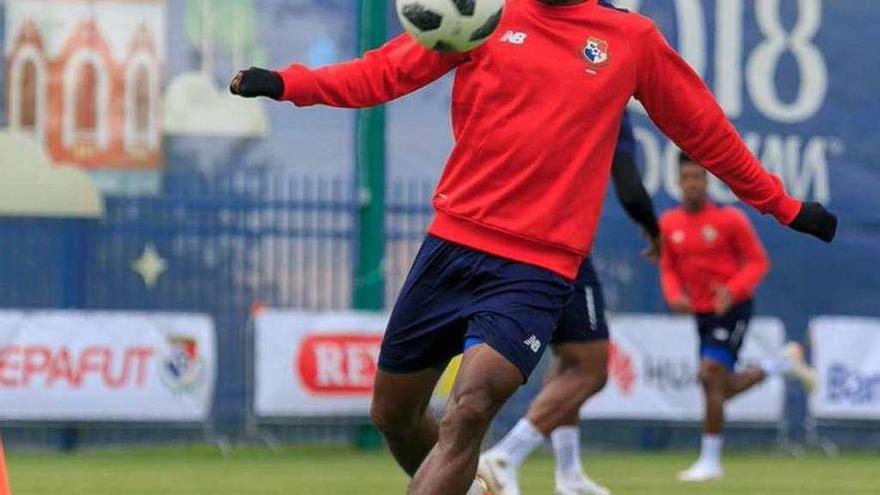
x=324, y=471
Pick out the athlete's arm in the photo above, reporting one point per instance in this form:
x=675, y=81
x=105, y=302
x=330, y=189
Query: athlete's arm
x=670, y=280
x=397, y=68
x=753, y=256
x=684, y=109
x=630, y=190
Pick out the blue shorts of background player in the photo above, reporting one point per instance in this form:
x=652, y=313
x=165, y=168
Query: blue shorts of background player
x=721, y=336
x=583, y=319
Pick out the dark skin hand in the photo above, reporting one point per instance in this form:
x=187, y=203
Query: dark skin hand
x=723, y=300
x=235, y=84
x=652, y=251
x=256, y=81
x=681, y=305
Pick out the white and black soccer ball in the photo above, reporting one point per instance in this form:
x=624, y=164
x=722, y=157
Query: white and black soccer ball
x=450, y=25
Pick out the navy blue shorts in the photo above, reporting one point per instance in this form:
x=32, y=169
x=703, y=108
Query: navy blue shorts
x=583, y=319
x=721, y=337
x=454, y=294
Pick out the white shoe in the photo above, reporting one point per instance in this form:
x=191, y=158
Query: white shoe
x=499, y=474
x=701, y=472
x=479, y=488
x=581, y=485
x=798, y=367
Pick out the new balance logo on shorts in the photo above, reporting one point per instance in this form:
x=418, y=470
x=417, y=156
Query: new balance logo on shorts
x=721, y=334
x=533, y=343
x=514, y=37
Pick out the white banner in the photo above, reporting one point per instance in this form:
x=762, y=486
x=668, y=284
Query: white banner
x=654, y=365
x=315, y=363
x=846, y=355
x=106, y=366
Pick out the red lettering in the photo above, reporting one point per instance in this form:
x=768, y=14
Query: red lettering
x=121, y=379
x=20, y=366
x=62, y=370
x=92, y=360
x=621, y=369
x=36, y=361
x=9, y=363
x=342, y=364
x=142, y=355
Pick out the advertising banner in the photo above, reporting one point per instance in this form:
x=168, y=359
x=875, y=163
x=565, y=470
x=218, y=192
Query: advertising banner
x=106, y=366
x=846, y=354
x=310, y=364
x=654, y=365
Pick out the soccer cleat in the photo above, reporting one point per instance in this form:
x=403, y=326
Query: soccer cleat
x=701, y=472
x=582, y=485
x=798, y=367
x=498, y=473
x=479, y=488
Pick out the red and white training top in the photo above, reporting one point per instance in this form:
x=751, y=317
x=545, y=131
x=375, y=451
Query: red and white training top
x=707, y=249
x=536, y=114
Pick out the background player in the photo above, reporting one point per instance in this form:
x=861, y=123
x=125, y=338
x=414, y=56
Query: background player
x=711, y=264
x=580, y=368
x=518, y=202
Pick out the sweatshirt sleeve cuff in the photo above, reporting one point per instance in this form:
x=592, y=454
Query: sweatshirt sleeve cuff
x=737, y=292
x=299, y=85
x=787, y=208
x=672, y=295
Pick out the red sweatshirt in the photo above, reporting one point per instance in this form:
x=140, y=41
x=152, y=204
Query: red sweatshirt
x=711, y=248
x=536, y=114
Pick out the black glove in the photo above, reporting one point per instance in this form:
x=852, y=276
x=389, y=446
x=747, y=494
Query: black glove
x=255, y=82
x=815, y=220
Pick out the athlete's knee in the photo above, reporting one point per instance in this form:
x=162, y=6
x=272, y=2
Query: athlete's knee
x=588, y=365
x=711, y=370
x=400, y=402
x=470, y=412
x=394, y=419
x=599, y=380
x=713, y=376
x=592, y=378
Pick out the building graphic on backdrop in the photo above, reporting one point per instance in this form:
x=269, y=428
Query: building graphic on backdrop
x=223, y=33
x=84, y=79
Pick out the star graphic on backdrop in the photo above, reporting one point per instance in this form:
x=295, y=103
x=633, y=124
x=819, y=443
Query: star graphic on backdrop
x=150, y=266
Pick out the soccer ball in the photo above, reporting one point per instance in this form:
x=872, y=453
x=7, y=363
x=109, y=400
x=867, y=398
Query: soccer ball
x=450, y=25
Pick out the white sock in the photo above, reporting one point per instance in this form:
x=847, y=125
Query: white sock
x=775, y=366
x=710, y=452
x=520, y=442
x=566, y=442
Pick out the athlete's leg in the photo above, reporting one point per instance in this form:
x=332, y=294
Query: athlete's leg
x=583, y=373
x=790, y=362
x=581, y=347
x=425, y=330
x=510, y=323
x=485, y=381
x=741, y=381
x=720, y=340
x=580, y=371
x=714, y=378
x=400, y=412
x=716, y=367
